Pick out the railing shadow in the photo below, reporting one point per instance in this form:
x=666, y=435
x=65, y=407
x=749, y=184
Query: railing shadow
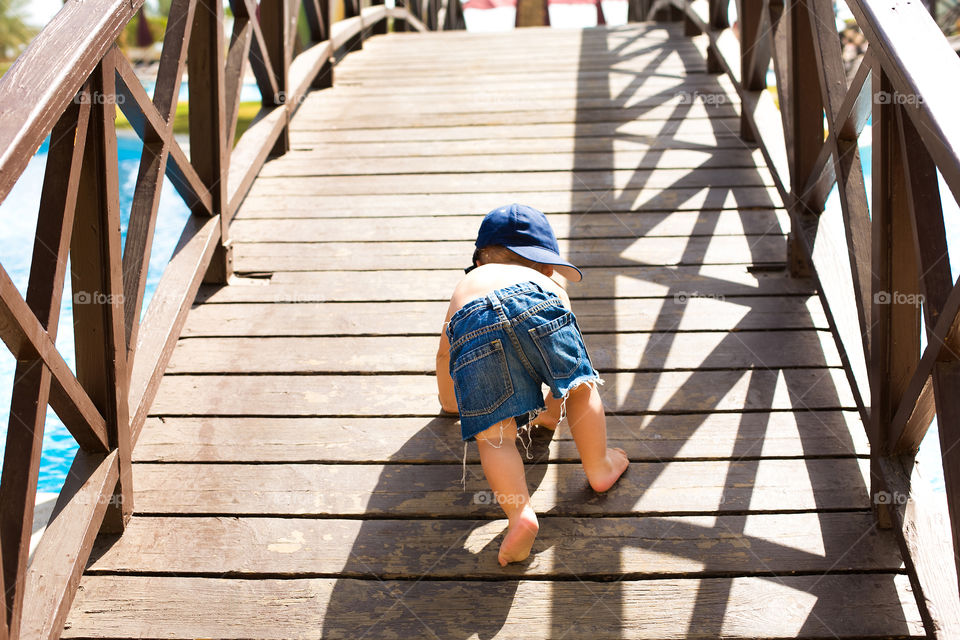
x=702, y=392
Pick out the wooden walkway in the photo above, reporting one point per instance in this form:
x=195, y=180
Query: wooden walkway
x=295, y=480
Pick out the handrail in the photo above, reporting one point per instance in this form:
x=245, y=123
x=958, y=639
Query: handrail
x=67, y=85
x=876, y=265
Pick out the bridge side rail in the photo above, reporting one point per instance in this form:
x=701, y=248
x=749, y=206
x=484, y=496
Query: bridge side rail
x=67, y=85
x=883, y=270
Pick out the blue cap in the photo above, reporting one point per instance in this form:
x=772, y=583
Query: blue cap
x=525, y=231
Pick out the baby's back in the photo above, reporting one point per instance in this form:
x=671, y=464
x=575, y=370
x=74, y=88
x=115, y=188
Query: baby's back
x=490, y=277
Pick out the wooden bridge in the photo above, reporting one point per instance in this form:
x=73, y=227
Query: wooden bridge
x=263, y=454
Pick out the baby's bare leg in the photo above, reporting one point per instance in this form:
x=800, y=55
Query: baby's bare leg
x=588, y=425
x=550, y=417
x=503, y=468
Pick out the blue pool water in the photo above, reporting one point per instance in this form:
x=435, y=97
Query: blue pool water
x=18, y=214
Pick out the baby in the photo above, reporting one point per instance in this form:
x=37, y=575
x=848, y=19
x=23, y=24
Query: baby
x=508, y=329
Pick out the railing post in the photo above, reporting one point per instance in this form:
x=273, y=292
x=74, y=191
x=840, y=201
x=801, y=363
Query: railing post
x=803, y=116
x=275, y=24
x=754, y=56
x=894, y=344
x=351, y=9
x=380, y=26
x=718, y=20
x=97, y=277
x=208, y=135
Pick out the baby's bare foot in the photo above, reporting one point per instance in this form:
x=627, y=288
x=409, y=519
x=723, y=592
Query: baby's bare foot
x=610, y=471
x=520, y=536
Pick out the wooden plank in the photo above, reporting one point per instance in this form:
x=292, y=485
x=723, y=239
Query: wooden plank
x=434, y=490
x=492, y=76
x=821, y=606
x=518, y=89
x=536, y=86
x=588, y=252
x=295, y=205
x=392, y=53
x=699, y=284
x=51, y=581
x=670, y=67
x=309, y=163
x=584, y=180
x=671, y=392
x=346, y=318
x=704, y=130
x=420, y=440
x=545, y=147
x=661, y=113
x=421, y=65
x=417, y=354
x=566, y=547
x=436, y=228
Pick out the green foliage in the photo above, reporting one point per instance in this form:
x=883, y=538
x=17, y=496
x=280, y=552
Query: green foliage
x=128, y=37
x=14, y=32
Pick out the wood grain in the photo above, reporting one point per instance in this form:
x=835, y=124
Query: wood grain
x=417, y=354
x=435, y=439
x=567, y=547
x=359, y=318
x=699, y=283
x=678, y=197
x=860, y=606
x=588, y=252
x=361, y=395
x=454, y=227
x=427, y=491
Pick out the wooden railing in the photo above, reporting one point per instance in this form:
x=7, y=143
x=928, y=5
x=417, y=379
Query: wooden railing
x=877, y=266
x=67, y=84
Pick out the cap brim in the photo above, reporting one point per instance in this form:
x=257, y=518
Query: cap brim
x=545, y=256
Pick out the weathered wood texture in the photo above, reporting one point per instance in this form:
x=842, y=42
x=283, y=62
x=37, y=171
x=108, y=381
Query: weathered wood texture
x=295, y=478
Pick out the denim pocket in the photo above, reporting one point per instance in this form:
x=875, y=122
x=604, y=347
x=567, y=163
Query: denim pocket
x=482, y=379
x=559, y=344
